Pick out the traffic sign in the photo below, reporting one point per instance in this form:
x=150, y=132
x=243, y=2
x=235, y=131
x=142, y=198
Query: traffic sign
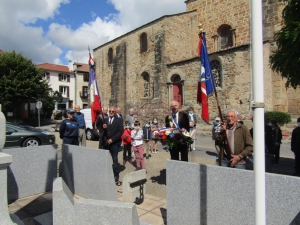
x=38, y=104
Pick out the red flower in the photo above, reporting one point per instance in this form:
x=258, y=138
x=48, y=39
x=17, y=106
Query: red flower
x=164, y=137
x=177, y=136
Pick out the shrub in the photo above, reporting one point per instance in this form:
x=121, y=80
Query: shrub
x=280, y=117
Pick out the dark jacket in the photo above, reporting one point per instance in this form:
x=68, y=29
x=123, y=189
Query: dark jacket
x=268, y=139
x=183, y=121
x=243, y=144
x=80, y=119
x=295, y=142
x=99, y=122
x=147, y=133
x=69, y=128
x=115, y=129
x=276, y=134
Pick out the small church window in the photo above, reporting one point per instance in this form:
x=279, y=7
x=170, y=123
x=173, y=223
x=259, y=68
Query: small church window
x=110, y=56
x=144, y=42
x=216, y=71
x=225, y=33
x=146, y=85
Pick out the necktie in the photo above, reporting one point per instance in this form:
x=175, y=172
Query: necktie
x=110, y=120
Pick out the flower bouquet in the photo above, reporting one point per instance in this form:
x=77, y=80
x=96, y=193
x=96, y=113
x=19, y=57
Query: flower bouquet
x=173, y=137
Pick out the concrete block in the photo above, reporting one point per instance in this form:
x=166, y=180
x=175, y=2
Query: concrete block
x=63, y=203
x=32, y=171
x=98, y=212
x=2, y=129
x=133, y=194
x=88, y=172
x=44, y=219
x=204, y=194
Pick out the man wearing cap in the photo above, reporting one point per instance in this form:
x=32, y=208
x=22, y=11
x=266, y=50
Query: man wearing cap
x=81, y=123
x=68, y=130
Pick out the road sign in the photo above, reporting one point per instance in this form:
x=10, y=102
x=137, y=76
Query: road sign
x=38, y=104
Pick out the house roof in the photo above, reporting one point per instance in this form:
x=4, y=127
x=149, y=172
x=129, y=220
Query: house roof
x=54, y=67
x=82, y=67
x=1, y=51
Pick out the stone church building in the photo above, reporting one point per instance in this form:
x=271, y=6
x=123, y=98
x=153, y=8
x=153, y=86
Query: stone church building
x=148, y=67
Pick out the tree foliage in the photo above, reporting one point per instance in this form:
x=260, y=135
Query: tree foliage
x=280, y=117
x=286, y=59
x=49, y=103
x=20, y=81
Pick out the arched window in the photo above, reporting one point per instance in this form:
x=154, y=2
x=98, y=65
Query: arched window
x=175, y=78
x=145, y=85
x=110, y=56
x=225, y=33
x=144, y=42
x=216, y=70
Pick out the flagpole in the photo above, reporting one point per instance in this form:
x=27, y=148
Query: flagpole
x=258, y=111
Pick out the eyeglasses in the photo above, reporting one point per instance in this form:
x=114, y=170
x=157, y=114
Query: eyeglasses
x=111, y=111
x=231, y=116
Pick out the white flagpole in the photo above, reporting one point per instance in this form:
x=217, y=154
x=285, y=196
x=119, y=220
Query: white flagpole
x=258, y=111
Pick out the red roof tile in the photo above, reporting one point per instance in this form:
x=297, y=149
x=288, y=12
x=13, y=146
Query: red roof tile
x=82, y=67
x=54, y=67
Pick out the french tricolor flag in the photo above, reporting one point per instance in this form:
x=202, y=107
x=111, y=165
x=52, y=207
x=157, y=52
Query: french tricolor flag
x=206, y=84
x=95, y=98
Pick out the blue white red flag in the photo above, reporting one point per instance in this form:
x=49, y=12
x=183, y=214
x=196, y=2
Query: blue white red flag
x=95, y=98
x=206, y=83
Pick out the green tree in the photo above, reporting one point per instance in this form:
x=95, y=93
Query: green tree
x=286, y=59
x=49, y=103
x=20, y=81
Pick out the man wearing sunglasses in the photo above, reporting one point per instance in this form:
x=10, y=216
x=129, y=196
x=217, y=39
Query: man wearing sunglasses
x=114, y=128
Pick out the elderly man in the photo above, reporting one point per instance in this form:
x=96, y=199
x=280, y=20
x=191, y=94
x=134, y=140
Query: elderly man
x=130, y=117
x=179, y=120
x=81, y=123
x=119, y=112
x=114, y=130
x=239, y=141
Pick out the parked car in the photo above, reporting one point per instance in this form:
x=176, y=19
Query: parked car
x=91, y=133
x=26, y=136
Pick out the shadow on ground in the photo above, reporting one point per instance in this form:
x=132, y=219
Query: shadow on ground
x=161, y=179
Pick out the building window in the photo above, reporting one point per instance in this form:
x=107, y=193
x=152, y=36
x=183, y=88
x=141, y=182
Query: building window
x=110, y=55
x=64, y=91
x=46, y=76
x=216, y=71
x=84, y=92
x=225, y=33
x=86, y=77
x=144, y=42
x=145, y=85
x=64, y=77
x=175, y=78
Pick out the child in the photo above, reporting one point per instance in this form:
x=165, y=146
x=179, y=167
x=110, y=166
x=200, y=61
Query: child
x=126, y=140
x=137, y=143
x=154, y=127
x=147, y=134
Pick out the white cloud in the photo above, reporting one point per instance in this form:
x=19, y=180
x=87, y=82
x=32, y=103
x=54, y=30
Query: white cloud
x=60, y=42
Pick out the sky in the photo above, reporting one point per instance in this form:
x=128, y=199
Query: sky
x=56, y=31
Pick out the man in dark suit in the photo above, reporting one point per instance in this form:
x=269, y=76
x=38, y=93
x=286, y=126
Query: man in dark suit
x=99, y=125
x=114, y=129
x=181, y=121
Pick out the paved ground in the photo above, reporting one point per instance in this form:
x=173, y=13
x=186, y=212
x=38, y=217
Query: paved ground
x=153, y=209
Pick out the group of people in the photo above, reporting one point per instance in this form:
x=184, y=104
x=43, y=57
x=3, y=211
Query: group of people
x=232, y=138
